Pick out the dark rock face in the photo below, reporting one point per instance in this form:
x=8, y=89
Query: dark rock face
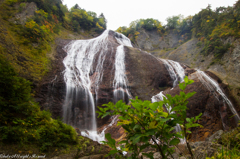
x=215, y=113
x=52, y=90
x=147, y=76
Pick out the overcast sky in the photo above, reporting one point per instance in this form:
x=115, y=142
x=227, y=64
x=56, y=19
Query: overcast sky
x=123, y=12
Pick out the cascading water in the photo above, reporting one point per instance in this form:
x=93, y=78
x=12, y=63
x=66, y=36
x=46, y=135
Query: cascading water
x=85, y=57
x=179, y=70
x=79, y=106
x=120, y=79
x=213, y=87
x=84, y=73
x=177, y=74
x=175, y=70
x=122, y=39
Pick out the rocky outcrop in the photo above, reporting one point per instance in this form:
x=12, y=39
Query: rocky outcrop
x=215, y=112
x=147, y=76
x=51, y=91
x=227, y=68
x=151, y=40
x=26, y=11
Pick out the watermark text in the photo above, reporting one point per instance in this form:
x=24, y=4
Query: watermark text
x=22, y=156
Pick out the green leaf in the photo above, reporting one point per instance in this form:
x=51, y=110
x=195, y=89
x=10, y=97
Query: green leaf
x=179, y=136
x=189, y=132
x=174, y=141
x=163, y=114
x=164, y=148
x=188, y=119
x=126, y=122
x=135, y=139
x=190, y=82
x=182, y=94
x=145, y=139
x=164, y=119
x=149, y=155
x=150, y=132
x=173, y=116
x=137, y=106
x=182, y=86
x=122, y=142
x=104, y=115
x=198, y=117
x=177, y=108
x=189, y=95
x=136, y=127
x=186, y=79
x=112, y=152
x=110, y=140
x=152, y=125
x=154, y=106
x=15, y=122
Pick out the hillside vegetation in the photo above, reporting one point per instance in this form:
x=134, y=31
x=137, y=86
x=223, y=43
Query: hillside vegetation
x=211, y=27
x=28, y=29
x=26, y=37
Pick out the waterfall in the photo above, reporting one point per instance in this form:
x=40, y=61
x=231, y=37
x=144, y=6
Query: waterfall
x=85, y=58
x=175, y=71
x=120, y=79
x=79, y=105
x=122, y=39
x=214, y=88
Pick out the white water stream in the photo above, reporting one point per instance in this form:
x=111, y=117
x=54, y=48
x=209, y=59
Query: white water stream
x=120, y=79
x=85, y=58
x=177, y=74
x=175, y=71
x=214, y=87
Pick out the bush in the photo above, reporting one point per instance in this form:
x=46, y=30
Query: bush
x=215, y=46
x=21, y=120
x=146, y=122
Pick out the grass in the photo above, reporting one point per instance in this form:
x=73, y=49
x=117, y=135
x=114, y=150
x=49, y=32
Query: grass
x=230, y=142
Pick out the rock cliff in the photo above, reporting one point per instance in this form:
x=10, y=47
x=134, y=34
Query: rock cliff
x=151, y=40
x=227, y=68
x=147, y=76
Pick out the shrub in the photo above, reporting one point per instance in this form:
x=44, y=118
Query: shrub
x=21, y=120
x=146, y=122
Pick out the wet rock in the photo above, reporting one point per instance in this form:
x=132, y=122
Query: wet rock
x=147, y=76
x=206, y=103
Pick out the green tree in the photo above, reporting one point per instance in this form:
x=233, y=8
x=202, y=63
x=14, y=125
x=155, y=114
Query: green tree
x=22, y=121
x=173, y=22
x=146, y=122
